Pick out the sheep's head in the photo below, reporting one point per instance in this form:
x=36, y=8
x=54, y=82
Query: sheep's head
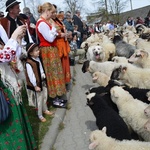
x=118, y=94
x=95, y=76
x=118, y=59
x=115, y=73
x=89, y=98
x=147, y=111
x=96, y=136
x=138, y=57
x=115, y=92
x=85, y=66
x=118, y=72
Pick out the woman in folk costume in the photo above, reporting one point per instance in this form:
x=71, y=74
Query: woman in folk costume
x=49, y=53
x=62, y=44
x=15, y=132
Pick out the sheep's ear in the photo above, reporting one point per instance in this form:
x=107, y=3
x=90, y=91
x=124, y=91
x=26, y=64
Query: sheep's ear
x=95, y=77
x=144, y=53
x=124, y=69
x=104, y=129
x=115, y=94
x=93, y=145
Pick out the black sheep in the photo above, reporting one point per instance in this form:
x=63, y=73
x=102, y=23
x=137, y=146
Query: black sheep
x=106, y=116
x=122, y=48
x=104, y=94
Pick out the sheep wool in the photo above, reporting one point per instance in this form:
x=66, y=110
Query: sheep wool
x=128, y=105
x=100, y=141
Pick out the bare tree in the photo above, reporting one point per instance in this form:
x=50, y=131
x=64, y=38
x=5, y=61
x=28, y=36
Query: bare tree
x=102, y=7
x=131, y=4
x=111, y=8
x=116, y=7
x=73, y=5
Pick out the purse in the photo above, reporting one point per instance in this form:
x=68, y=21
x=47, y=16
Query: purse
x=4, y=107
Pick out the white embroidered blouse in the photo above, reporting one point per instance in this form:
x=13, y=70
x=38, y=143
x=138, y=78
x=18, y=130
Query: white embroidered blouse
x=10, y=50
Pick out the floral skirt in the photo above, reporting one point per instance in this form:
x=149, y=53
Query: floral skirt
x=53, y=70
x=16, y=132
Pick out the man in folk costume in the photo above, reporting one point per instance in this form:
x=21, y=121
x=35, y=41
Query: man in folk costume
x=12, y=20
x=10, y=23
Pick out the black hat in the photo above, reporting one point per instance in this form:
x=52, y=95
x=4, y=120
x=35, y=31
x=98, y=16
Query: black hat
x=24, y=16
x=11, y=3
x=30, y=47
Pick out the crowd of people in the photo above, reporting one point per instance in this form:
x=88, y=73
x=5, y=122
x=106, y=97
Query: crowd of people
x=110, y=25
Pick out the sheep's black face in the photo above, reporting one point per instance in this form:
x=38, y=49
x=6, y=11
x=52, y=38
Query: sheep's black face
x=116, y=39
x=111, y=84
x=85, y=66
x=86, y=47
x=115, y=74
x=89, y=99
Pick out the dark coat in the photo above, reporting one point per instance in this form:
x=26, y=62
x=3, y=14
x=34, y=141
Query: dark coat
x=77, y=21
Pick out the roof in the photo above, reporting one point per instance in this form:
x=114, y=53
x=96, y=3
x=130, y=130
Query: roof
x=140, y=12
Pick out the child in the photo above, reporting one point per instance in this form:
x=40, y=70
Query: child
x=35, y=78
x=75, y=51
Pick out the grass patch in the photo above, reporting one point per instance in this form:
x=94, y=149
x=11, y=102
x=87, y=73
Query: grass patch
x=61, y=126
x=39, y=128
x=68, y=106
x=53, y=148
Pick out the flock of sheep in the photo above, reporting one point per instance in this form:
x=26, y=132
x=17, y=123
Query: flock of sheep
x=120, y=63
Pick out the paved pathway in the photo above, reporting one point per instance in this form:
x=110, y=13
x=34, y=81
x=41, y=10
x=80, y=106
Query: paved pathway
x=79, y=121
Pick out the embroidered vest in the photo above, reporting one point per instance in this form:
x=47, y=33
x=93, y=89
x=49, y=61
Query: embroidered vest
x=36, y=69
x=10, y=25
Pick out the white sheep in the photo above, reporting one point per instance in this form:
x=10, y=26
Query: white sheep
x=100, y=141
x=100, y=78
x=92, y=66
x=93, y=38
x=131, y=110
x=140, y=58
x=119, y=59
x=142, y=44
x=132, y=75
x=109, y=49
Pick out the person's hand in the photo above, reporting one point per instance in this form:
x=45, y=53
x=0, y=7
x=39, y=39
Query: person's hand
x=19, y=33
x=32, y=25
x=63, y=34
x=37, y=89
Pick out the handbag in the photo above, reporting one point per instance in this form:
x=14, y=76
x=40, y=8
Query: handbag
x=4, y=106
